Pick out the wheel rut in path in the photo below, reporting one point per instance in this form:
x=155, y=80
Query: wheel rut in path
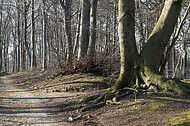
x=21, y=107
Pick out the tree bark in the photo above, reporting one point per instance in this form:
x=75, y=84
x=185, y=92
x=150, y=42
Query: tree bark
x=143, y=69
x=140, y=27
x=92, y=40
x=160, y=35
x=76, y=44
x=44, y=52
x=84, y=29
x=18, y=37
x=128, y=50
x=22, y=48
x=114, y=27
x=1, y=46
x=153, y=50
x=66, y=5
x=33, y=56
x=15, y=51
x=6, y=47
x=174, y=39
x=185, y=57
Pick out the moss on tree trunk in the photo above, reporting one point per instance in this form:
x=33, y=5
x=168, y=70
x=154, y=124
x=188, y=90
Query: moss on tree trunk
x=143, y=69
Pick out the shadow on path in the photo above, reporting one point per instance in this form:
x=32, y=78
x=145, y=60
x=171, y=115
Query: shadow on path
x=20, y=107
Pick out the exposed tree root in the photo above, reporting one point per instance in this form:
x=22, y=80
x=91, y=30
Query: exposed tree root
x=110, y=95
x=93, y=106
x=101, y=97
x=175, y=86
x=149, y=77
x=90, y=98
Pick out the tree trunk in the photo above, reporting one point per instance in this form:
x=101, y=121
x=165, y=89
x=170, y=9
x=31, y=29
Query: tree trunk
x=114, y=27
x=26, y=47
x=153, y=50
x=22, y=49
x=4, y=53
x=140, y=26
x=66, y=5
x=143, y=69
x=18, y=37
x=184, y=47
x=6, y=47
x=84, y=29
x=15, y=52
x=128, y=51
x=76, y=44
x=106, y=37
x=92, y=40
x=33, y=47
x=160, y=35
x=1, y=46
x=44, y=52
x=175, y=39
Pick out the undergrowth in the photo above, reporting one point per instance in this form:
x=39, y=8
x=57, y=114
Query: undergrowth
x=101, y=67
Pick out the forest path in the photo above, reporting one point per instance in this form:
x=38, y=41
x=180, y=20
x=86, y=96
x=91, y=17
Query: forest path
x=22, y=107
x=23, y=104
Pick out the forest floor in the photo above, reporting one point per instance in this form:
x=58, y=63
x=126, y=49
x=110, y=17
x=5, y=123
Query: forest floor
x=39, y=98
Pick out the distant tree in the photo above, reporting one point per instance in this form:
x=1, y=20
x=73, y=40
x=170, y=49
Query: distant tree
x=92, y=37
x=84, y=29
x=44, y=48
x=66, y=5
x=1, y=46
x=33, y=43
x=76, y=43
x=18, y=36
x=114, y=25
x=26, y=49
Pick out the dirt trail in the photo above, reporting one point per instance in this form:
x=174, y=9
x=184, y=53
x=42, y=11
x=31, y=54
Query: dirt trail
x=24, y=101
x=20, y=107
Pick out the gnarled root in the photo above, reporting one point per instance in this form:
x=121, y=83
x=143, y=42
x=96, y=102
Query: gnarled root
x=109, y=97
x=148, y=76
x=97, y=98
x=114, y=95
x=178, y=87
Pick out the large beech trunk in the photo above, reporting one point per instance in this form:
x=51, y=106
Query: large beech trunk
x=128, y=50
x=146, y=66
x=143, y=69
x=151, y=55
x=156, y=44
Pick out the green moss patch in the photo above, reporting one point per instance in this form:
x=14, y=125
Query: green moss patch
x=183, y=120
x=150, y=105
x=186, y=80
x=102, y=79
